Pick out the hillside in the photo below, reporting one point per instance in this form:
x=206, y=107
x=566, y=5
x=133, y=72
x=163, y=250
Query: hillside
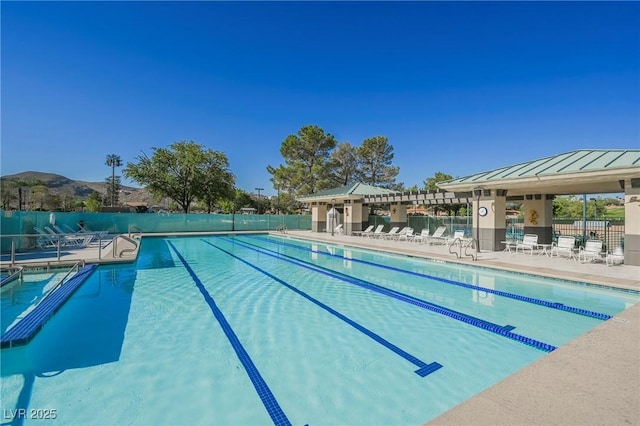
x=60, y=185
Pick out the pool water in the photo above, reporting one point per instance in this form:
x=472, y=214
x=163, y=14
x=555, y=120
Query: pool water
x=20, y=296
x=255, y=329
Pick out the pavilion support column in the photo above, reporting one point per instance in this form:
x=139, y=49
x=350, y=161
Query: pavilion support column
x=489, y=218
x=353, y=219
x=365, y=216
x=631, y=222
x=318, y=216
x=398, y=215
x=538, y=216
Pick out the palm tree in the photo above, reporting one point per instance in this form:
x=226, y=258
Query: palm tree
x=113, y=161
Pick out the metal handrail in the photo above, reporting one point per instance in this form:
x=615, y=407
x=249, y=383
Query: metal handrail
x=466, y=244
x=132, y=227
x=75, y=267
x=124, y=237
x=12, y=275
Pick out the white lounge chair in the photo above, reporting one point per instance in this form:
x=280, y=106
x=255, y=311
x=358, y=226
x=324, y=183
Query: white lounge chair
x=438, y=236
x=529, y=242
x=616, y=257
x=392, y=232
x=366, y=231
x=591, y=251
x=378, y=231
x=83, y=229
x=407, y=235
x=565, y=244
x=422, y=237
x=45, y=239
x=338, y=229
x=458, y=234
x=70, y=240
x=401, y=233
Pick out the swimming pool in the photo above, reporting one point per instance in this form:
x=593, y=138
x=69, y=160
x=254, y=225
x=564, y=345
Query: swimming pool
x=256, y=329
x=20, y=296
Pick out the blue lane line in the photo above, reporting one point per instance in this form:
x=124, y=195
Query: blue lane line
x=423, y=368
x=459, y=316
x=267, y=397
x=366, y=284
x=545, y=303
x=28, y=327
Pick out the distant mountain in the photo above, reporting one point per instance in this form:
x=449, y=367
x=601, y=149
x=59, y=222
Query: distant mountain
x=59, y=185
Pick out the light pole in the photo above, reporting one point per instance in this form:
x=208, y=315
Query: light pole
x=259, y=189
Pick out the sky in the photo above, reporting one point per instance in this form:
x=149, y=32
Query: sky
x=456, y=87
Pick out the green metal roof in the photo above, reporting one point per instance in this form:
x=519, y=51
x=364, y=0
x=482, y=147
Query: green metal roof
x=586, y=160
x=356, y=189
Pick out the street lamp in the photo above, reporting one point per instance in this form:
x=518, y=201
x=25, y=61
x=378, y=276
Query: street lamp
x=259, y=189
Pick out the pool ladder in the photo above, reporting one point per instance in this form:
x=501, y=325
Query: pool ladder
x=456, y=247
x=133, y=239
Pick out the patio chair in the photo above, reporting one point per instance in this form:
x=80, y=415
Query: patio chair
x=378, y=231
x=407, y=235
x=83, y=229
x=400, y=233
x=591, y=252
x=338, y=229
x=438, y=236
x=362, y=233
x=45, y=239
x=68, y=240
x=392, y=232
x=616, y=257
x=458, y=234
x=422, y=237
x=565, y=244
x=529, y=242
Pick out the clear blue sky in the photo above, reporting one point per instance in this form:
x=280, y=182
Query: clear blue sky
x=457, y=87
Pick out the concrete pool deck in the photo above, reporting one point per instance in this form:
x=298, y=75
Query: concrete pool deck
x=592, y=380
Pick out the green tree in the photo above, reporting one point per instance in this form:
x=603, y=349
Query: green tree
x=238, y=200
x=23, y=190
x=113, y=187
x=375, y=157
x=306, y=156
x=287, y=204
x=38, y=198
x=7, y=193
x=562, y=207
x=431, y=184
x=344, y=162
x=219, y=182
x=94, y=202
x=596, y=208
x=181, y=172
x=113, y=190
